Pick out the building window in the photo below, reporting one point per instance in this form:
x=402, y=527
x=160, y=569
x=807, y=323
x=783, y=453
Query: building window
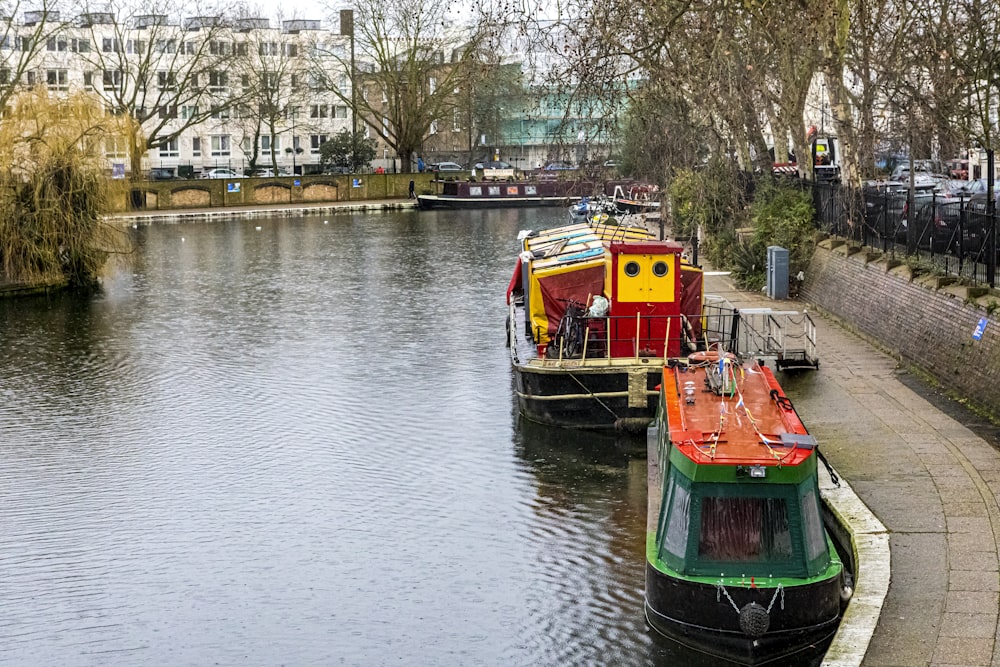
x=315, y=141
x=80, y=45
x=114, y=147
x=456, y=121
x=220, y=113
x=241, y=49
x=169, y=148
x=168, y=111
x=196, y=146
x=268, y=143
x=88, y=80
x=188, y=112
x=342, y=85
x=217, y=48
x=268, y=49
x=433, y=128
x=291, y=50
x=110, y=45
x=112, y=79
x=218, y=81
x=56, y=79
x=137, y=46
x=319, y=111
x=341, y=111
x=167, y=80
x=56, y=44
x=220, y=145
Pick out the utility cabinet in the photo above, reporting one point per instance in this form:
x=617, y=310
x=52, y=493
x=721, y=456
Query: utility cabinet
x=777, y=272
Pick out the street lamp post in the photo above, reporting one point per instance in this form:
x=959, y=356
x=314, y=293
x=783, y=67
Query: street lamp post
x=347, y=29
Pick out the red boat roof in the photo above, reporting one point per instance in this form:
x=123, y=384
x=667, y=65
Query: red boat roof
x=750, y=423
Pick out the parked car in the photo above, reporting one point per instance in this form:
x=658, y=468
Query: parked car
x=263, y=173
x=559, y=166
x=220, y=172
x=161, y=174
x=447, y=166
x=494, y=164
x=921, y=168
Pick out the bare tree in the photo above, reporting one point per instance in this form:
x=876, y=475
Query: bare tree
x=163, y=73
x=409, y=59
x=27, y=34
x=272, y=69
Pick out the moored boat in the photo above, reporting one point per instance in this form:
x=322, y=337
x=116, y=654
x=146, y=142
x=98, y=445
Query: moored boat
x=504, y=194
x=738, y=561
x=638, y=199
x=595, y=310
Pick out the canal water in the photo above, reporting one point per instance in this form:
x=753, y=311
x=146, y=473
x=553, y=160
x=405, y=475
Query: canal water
x=292, y=441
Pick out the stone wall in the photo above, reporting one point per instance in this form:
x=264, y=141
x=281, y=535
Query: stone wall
x=215, y=192
x=926, y=321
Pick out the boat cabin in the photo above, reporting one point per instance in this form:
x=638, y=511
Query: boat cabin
x=632, y=293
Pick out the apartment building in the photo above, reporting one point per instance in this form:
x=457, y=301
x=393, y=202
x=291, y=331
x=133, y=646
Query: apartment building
x=208, y=91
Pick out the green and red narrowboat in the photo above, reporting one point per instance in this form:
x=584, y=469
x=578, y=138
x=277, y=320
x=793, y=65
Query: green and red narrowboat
x=738, y=561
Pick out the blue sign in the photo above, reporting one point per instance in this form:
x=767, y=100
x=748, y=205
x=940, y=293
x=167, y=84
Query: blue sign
x=980, y=328
x=118, y=170
x=233, y=187
x=297, y=182
x=356, y=183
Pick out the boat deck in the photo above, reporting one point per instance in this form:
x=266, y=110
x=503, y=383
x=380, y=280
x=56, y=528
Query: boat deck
x=751, y=422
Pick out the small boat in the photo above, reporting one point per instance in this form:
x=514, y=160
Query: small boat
x=594, y=311
x=638, y=199
x=599, y=209
x=739, y=563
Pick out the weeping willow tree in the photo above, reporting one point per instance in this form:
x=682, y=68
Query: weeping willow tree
x=54, y=193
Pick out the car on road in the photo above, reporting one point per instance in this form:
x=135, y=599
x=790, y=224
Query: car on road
x=559, y=166
x=220, y=172
x=263, y=173
x=494, y=164
x=161, y=174
x=447, y=166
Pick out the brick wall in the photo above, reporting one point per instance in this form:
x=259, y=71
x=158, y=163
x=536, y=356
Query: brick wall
x=920, y=320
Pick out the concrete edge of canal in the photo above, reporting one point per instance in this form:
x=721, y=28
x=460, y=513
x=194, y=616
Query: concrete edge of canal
x=259, y=211
x=869, y=541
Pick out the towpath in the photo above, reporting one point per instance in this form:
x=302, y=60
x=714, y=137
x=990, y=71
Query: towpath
x=928, y=478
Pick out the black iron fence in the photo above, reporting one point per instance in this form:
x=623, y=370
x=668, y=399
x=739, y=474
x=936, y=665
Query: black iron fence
x=957, y=235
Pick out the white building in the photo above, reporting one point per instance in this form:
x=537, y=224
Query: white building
x=208, y=92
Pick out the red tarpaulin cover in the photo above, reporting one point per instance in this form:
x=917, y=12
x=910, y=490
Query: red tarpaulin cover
x=577, y=285
x=691, y=286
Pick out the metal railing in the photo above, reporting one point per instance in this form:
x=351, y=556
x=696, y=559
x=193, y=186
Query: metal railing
x=957, y=235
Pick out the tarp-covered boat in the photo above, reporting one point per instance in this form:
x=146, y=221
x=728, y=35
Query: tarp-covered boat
x=738, y=561
x=595, y=310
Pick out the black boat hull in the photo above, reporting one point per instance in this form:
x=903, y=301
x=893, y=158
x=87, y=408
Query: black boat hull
x=428, y=202
x=622, y=398
x=802, y=618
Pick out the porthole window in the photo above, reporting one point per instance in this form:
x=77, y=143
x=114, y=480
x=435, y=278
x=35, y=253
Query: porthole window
x=660, y=269
x=632, y=269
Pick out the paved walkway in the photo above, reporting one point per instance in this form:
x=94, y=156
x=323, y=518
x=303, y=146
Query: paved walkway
x=932, y=482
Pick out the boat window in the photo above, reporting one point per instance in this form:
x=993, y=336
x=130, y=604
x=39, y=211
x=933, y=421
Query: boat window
x=676, y=518
x=632, y=269
x=739, y=530
x=813, y=520
x=660, y=269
